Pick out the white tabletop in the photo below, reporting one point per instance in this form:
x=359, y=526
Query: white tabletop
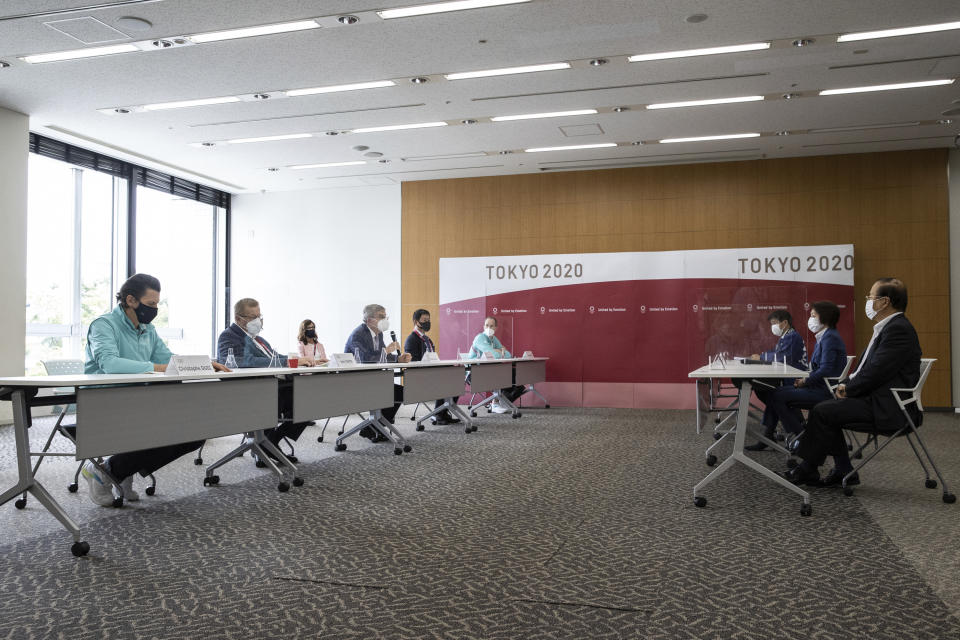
x=735, y=369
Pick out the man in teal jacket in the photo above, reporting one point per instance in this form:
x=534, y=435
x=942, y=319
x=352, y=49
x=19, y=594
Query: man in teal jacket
x=124, y=341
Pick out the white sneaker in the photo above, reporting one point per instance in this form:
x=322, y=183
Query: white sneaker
x=496, y=407
x=128, y=492
x=100, y=489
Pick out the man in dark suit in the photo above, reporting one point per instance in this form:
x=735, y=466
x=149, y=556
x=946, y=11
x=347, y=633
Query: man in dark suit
x=417, y=344
x=367, y=343
x=891, y=360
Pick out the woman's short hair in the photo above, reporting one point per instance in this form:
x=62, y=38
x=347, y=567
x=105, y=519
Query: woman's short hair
x=829, y=313
x=137, y=285
x=780, y=315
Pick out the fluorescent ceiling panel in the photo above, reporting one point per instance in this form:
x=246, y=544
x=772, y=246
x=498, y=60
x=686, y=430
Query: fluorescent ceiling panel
x=729, y=136
x=400, y=127
x=159, y=106
x=249, y=32
x=554, y=114
x=601, y=145
x=341, y=87
x=443, y=7
x=288, y=136
x=699, y=103
x=77, y=54
x=325, y=165
x=709, y=51
x=902, y=31
x=553, y=66
x=887, y=87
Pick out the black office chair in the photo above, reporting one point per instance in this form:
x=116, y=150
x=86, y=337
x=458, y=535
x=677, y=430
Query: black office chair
x=904, y=398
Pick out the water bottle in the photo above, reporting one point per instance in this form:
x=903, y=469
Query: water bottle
x=274, y=361
x=231, y=362
x=383, y=356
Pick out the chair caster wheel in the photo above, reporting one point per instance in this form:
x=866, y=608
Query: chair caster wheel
x=420, y=427
x=949, y=498
x=517, y=415
x=211, y=480
x=397, y=451
x=117, y=503
x=717, y=436
x=340, y=447
x=711, y=460
x=848, y=491
x=407, y=448
x=468, y=430
x=792, y=464
x=474, y=428
x=930, y=483
x=293, y=459
x=700, y=501
x=21, y=503
x=283, y=487
x=260, y=464
x=858, y=456
x=73, y=488
x=150, y=491
x=339, y=433
x=80, y=549
x=546, y=406
x=806, y=510
x=198, y=461
x=298, y=482
x=319, y=438
x=473, y=414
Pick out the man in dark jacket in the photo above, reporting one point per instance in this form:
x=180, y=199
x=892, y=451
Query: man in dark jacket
x=419, y=343
x=891, y=360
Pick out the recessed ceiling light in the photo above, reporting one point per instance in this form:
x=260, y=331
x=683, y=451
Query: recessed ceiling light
x=699, y=103
x=273, y=169
x=783, y=132
x=400, y=127
x=384, y=160
x=332, y=132
x=77, y=54
x=637, y=143
x=945, y=121
x=348, y=20
x=505, y=152
x=442, y=7
x=790, y=96
x=162, y=44
x=249, y=32
x=121, y=110
x=4, y=64
x=261, y=96
x=903, y=31
x=159, y=106
x=696, y=18
x=555, y=66
x=468, y=121
x=288, y=136
x=341, y=87
x=620, y=109
x=327, y=165
x=601, y=145
x=420, y=80
x=535, y=116
x=709, y=51
x=803, y=42
x=598, y=62
x=887, y=87
x=729, y=136
x=208, y=144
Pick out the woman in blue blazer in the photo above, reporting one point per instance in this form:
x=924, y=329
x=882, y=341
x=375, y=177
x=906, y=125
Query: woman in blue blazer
x=829, y=359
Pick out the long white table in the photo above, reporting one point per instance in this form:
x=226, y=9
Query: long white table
x=746, y=373
x=494, y=375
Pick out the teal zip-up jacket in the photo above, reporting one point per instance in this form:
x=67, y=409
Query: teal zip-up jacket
x=115, y=346
x=482, y=344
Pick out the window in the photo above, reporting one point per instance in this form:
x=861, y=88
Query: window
x=79, y=207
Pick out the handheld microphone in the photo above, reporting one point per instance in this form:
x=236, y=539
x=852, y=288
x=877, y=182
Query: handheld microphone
x=393, y=338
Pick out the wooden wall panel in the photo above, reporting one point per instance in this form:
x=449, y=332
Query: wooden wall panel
x=893, y=207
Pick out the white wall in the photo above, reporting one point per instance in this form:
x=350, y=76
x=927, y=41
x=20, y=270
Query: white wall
x=321, y=254
x=954, y=169
x=14, y=134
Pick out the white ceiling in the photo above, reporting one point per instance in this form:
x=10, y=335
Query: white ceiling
x=63, y=98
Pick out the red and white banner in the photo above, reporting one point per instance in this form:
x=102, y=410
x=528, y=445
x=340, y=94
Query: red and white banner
x=624, y=329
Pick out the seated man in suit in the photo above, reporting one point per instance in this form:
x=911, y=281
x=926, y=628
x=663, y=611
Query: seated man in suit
x=419, y=343
x=252, y=351
x=829, y=359
x=125, y=341
x=891, y=360
x=367, y=343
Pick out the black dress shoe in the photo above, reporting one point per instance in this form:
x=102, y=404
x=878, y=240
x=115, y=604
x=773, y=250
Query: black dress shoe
x=757, y=446
x=835, y=479
x=441, y=420
x=368, y=432
x=800, y=476
x=380, y=438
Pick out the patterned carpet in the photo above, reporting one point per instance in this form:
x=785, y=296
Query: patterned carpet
x=564, y=524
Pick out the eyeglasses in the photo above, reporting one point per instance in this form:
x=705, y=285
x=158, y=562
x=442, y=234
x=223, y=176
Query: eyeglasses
x=260, y=317
x=875, y=297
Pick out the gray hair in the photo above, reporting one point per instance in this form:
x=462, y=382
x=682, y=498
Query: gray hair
x=372, y=310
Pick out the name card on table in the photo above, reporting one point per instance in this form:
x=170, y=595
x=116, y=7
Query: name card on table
x=488, y=355
x=188, y=365
x=344, y=360
x=527, y=355
x=431, y=356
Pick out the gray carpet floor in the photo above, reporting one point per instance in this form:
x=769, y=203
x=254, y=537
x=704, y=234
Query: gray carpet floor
x=567, y=523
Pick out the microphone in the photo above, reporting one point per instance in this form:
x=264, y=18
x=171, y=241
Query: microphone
x=393, y=338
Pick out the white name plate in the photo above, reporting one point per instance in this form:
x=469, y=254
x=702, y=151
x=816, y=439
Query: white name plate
x=488, y=355
x=188, y=365
x=431, y=356
x=527, y=355
x=344, y=360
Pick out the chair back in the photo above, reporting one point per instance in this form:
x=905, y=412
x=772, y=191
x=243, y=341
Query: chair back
x=833, y=382
x=846, y=368
x=63, y=367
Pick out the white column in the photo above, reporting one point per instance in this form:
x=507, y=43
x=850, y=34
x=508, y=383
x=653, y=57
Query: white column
x=14, y=131
x=953, y=166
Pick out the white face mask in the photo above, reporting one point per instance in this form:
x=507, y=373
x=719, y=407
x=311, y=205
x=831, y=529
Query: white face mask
x=383, y=325
x=869, y=310
x=489, y=331
x=254, y=327
x=814, y=325
x=777, y=331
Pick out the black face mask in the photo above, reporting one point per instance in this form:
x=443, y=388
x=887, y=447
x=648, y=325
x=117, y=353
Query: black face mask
x=145, y=314
x=425, y=326
x=310, y=333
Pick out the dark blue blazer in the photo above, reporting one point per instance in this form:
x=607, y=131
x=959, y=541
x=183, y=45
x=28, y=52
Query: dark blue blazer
x=829, y=359
x=361, y=339
x=246, y=352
